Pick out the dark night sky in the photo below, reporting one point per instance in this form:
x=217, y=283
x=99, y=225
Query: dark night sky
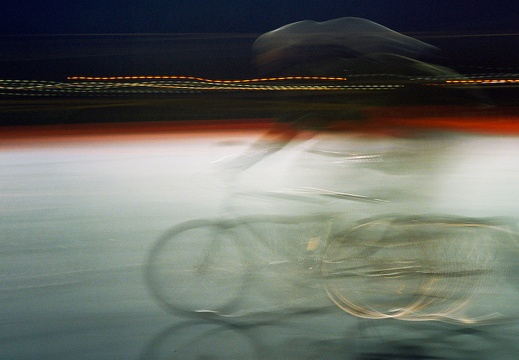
x=239, y=16
x=54, y=57
x=137, y=37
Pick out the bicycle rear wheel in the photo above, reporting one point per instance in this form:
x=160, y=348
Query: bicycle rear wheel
x=197, y=266
x=411, y=269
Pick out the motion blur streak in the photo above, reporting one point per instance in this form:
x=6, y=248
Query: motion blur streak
x=110, y=86
x=203, y=79
x=344, y=37
x=388, y=121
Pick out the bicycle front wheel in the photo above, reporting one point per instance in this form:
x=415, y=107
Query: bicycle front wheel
x=197, y=266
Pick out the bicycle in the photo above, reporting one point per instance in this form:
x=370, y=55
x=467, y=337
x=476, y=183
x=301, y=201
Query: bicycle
x=395, y=266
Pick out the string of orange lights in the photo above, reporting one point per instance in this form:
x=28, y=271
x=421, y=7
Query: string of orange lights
x=170, y=84
x=181, y=77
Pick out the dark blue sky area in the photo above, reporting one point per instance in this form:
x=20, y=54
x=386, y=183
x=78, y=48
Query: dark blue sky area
x=242, y=16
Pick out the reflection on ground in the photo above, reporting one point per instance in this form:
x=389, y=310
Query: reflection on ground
x=306, y=337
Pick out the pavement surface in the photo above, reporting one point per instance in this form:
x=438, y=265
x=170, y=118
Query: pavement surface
x=81, y=213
